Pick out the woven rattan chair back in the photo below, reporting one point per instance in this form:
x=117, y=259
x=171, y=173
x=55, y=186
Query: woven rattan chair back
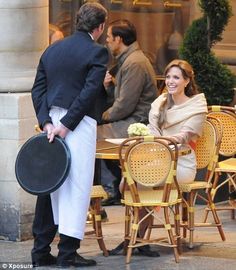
x=227, y=117
x=206, y=145
x=149, y=163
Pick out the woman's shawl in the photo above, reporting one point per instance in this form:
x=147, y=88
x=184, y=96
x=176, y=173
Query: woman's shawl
x=186, y=117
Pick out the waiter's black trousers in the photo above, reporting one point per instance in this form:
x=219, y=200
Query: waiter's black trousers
x=44, y=231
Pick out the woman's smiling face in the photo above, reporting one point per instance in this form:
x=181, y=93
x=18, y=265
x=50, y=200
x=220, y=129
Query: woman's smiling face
x=175, y=82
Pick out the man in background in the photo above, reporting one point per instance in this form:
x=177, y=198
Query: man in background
x=131, y=88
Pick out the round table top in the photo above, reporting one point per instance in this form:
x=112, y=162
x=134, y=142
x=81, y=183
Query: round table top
x=108, y=150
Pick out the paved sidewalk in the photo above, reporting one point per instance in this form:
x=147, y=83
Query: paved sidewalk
x=209, y=253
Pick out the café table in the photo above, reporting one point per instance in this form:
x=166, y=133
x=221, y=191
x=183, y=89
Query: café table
x=106, y=149
x=109, y=149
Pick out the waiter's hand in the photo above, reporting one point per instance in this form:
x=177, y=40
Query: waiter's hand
x=48, y=128
x=52, y=131
x=59, y=130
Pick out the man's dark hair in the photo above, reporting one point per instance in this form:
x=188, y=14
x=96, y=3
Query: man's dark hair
x=90, y=16
x=124, y=29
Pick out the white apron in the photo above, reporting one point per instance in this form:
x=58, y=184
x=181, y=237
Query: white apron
x=70, y=202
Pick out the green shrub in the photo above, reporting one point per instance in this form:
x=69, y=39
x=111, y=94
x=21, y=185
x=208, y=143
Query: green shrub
x=213, y=78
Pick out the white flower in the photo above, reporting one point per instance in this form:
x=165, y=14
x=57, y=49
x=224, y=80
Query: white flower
x=138, y=129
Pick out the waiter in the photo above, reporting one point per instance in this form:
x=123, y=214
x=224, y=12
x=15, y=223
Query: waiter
x=67, y=86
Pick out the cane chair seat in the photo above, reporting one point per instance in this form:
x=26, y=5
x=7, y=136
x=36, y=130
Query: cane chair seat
x=194, y=186
x=149, y=171
x=153, y=198
x=207, y=150
x=98, y=192
x=228, y=165
x=227, y=116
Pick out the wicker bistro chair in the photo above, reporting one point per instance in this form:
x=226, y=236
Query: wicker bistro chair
x=149, y=170
x=207, y=149
x=97, y=194
x=227, y=116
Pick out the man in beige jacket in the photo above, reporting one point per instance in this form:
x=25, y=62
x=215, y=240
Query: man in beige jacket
x=131, y=84
x=131, y=88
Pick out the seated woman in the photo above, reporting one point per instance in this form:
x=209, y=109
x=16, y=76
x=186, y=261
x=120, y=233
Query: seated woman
x=179, y=113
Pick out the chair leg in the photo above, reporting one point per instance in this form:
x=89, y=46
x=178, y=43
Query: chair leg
x=149, y=228
x=213, y=192
x=170, y=233
x=127, y=222
x=96, y=205
x=206, y=215
x=185, y=214
x=215, y=217
x=231, y=182
x=191, y=218
x=231, y=188
x=133, y=237
x=177, y=227
x=233, y=214
x=127, y=229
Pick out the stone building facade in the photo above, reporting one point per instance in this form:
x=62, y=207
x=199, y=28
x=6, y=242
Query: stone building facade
x=24, y=36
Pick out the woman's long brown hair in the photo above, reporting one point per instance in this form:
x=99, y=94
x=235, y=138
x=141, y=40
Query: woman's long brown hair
x=190, y=89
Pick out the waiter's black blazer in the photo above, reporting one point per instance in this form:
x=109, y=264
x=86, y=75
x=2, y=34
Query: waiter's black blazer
x=70, y=75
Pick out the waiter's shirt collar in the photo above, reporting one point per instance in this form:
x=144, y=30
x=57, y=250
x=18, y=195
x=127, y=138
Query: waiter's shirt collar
x=91, y=36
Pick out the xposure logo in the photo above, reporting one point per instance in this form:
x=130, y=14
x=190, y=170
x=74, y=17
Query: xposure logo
x=15, y=265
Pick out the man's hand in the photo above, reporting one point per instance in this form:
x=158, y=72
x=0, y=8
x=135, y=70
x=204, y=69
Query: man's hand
x=52, y=131
x=61, y=131
x=48, y=128
x=107, y=80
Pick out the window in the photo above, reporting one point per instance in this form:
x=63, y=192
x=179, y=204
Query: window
x=160, y=28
